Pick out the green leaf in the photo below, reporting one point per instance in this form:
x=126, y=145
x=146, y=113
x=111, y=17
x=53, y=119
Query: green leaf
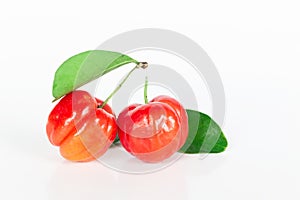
x=117, y=139
x=85, y=67
x=205, y=135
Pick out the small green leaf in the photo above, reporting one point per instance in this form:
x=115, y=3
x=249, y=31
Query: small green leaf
x=117, y=139
x=205, y=135
x=85, y=67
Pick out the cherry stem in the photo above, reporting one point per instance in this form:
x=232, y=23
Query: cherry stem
x=142, y=65
x=146, y=90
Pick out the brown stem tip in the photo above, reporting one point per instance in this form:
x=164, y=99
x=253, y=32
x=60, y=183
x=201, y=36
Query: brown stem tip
x=143, y=65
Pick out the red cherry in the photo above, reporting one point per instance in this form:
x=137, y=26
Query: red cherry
x=82, y=130
x=155, y=131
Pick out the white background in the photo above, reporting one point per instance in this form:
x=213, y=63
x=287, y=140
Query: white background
x=255, y=46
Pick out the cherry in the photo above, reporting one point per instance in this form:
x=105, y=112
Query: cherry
x=82, y=129
x=154, y=131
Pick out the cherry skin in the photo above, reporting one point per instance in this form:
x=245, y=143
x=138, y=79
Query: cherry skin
x=154, y=131
x=181, y=113
x=81, y=129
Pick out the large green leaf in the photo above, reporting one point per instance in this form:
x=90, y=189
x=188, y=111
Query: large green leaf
x=205, y=135
x=85, y=67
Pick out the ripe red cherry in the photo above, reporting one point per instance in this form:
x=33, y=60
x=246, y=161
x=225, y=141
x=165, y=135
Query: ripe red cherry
x=155, y=131
x=82, y=130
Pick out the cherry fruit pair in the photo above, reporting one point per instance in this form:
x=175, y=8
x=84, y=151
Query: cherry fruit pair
x=84, y=129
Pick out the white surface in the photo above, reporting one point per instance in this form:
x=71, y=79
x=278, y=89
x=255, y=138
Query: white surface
x=255, y=46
